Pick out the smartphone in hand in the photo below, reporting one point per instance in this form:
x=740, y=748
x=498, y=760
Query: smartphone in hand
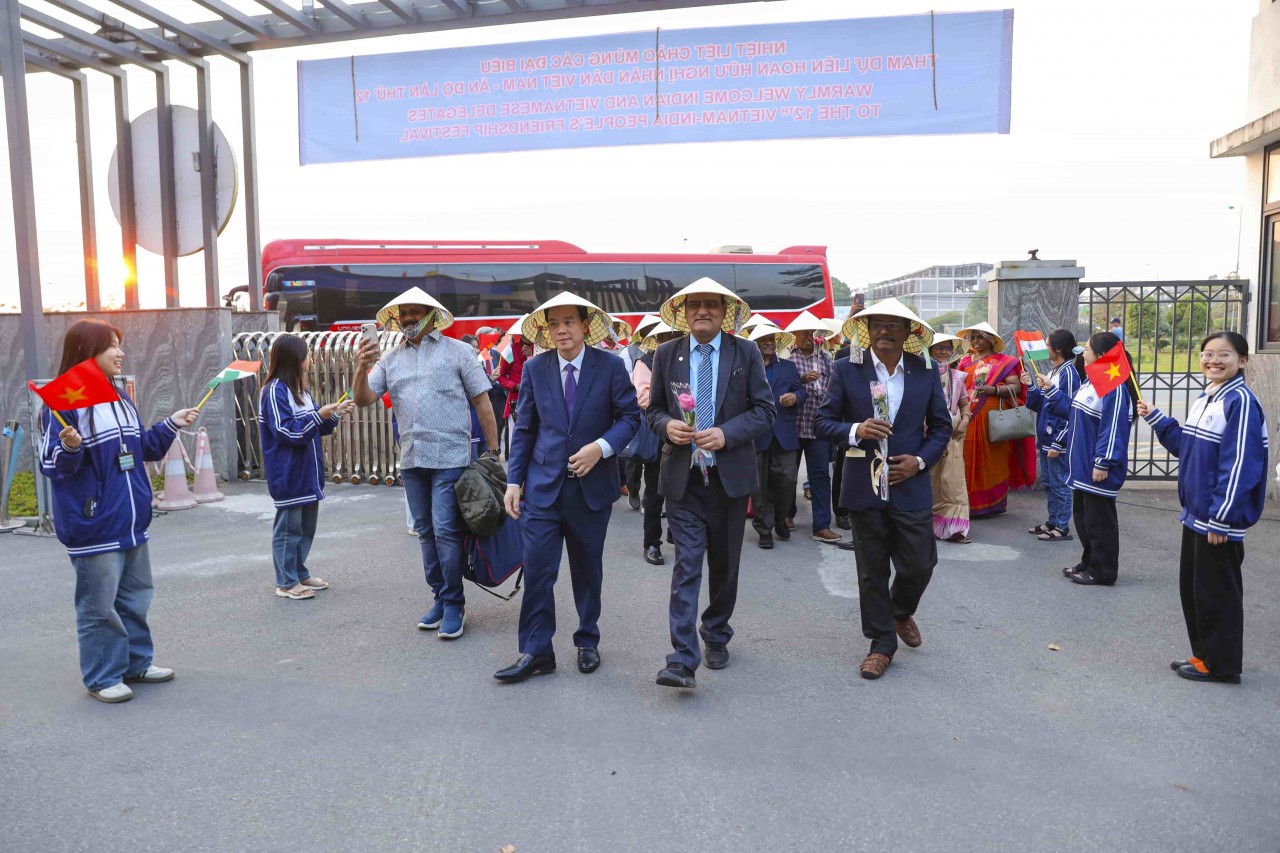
x=369, y=333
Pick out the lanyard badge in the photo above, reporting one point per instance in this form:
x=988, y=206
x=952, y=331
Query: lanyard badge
x=125, y=460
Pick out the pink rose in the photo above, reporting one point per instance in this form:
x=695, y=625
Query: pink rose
x=878, y=391
x=686, y=402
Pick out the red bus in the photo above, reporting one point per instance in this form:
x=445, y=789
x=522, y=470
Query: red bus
x=338, y=284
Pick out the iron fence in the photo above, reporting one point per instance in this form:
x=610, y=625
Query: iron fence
x=1164, y=323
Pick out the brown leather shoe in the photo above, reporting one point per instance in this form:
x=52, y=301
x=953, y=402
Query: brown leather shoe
x=908, y=631
x=875, y=665
x=828, y=535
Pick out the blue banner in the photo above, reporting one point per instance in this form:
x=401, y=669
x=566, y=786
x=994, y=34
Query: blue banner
x=921, y=74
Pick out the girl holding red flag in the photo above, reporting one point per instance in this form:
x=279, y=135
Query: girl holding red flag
x=102, y=508
x=1222, y=485
x=1100, y=416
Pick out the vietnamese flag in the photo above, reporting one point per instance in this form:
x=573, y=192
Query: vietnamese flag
x=80, y=387
x=1110, y=371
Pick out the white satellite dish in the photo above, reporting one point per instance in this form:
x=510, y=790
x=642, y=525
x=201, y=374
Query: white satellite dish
x=186, y=180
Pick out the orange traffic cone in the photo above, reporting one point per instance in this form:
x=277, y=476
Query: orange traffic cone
x=175, y=495
x=206, y=490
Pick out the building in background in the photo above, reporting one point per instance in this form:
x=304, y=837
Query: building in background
x=1258, y=142
x=935, y=292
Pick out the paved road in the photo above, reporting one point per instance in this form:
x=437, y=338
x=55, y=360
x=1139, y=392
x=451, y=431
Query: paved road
x=336, y=725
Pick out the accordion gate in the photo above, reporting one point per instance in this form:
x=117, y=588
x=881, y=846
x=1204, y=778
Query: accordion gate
x=362, y=449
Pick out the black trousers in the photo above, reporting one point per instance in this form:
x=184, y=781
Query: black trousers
x=776, y=470
x=1213, y=601
x=651, y=501
x=632, y=472
x=707, y=522
x=905, y=538
x=1099, y=534
x=837, y=480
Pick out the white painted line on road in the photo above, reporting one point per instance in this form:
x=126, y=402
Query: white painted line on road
x=977, y=552
x=839, y=572
x=259, y=505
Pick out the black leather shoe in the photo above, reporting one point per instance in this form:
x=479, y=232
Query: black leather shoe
x=717, y=656
x=1192, y=674
x=783, y=534
x=633, y=498
x=846, y=546
x=1083, y=578
x=766, y=541
x=527, y=665
x=677, y=675
x=843, y=522
x=1179, y=664
x=588, y=660
x=653, y=556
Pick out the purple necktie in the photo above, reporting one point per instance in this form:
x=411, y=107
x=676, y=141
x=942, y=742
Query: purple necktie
x=570, y=389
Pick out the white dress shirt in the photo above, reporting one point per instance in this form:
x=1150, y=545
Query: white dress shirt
x=577, y=370
x=895, y=385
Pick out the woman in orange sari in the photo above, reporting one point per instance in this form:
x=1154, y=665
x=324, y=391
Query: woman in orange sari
x=992, y=468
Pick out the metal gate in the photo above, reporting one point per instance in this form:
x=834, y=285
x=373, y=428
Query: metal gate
x=362, y=449
x=1164, y=323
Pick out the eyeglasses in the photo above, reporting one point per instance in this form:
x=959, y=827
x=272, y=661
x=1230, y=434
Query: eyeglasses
x=1219, y=357
x=886, y=325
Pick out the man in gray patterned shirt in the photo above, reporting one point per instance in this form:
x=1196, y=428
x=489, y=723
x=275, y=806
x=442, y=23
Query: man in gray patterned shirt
x=431, y=379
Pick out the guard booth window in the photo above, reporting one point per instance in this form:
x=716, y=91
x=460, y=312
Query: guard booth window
x=1269, y=313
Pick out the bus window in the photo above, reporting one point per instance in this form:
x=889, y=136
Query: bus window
x=490, y=290
x=779, y=287
x=617, y=288
x=356, y=292
x=666, y=280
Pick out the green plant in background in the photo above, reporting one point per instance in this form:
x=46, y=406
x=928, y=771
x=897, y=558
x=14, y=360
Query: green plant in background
x=22, y=495
x=976, y=310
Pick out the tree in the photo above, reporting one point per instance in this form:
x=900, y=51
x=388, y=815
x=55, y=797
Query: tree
x=840, y=292
x=1141, y=319
x=1194, y=309
x=976, y=310
x=949, y=318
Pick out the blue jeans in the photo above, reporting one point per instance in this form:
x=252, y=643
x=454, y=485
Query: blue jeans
x=291, y=538
x=438, y=523
x=113, y=593
x=817, y=461
x=1054, y=474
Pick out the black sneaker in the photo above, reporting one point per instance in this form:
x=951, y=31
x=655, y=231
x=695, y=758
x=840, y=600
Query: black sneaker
x=717, y=656
x=677, y=675
x=766, y=541
x=633, y=499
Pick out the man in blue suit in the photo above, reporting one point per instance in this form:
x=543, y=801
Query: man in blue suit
x=575, y=409
x=888, y=342
x=777, y=452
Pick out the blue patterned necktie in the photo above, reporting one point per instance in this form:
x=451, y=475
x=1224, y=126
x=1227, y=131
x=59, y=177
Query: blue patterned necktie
x=705, y=394
x=570, y=389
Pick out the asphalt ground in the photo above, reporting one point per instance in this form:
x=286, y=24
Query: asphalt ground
x=335, y=724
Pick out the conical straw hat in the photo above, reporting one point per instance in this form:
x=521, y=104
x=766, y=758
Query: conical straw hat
x=806, y=322
x=960, y=348
x=534, y=327
x=834, y=327
x=984, y=328
x=388, y=316
x=621, y=328
x=736, y=311
x=918, y=340
x=642, y=328
x=764, y=330
x=659, y=333
x=516, y=327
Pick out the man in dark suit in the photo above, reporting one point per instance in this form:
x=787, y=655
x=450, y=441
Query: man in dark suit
x=708, y=469
x=777, y=451
x=906, y=439
x=576, y=409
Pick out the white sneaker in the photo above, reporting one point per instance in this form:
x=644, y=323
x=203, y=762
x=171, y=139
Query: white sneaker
x=114, y=693
x=153, y=675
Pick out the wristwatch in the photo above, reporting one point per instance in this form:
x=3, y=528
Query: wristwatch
x=920, y=460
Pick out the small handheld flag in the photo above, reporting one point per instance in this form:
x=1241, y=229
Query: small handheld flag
x=80, y=387
x=1032, y=347
x=1110, y=371
x=234, y=371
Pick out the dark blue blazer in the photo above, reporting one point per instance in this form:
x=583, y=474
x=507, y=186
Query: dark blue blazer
x=744, y=412
x=783, y=378
x=544, y=438
x=922, y=428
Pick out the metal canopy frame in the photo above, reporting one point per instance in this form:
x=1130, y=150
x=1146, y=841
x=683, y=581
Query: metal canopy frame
x=111, y=44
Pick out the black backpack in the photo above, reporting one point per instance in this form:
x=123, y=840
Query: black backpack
x=480, y=491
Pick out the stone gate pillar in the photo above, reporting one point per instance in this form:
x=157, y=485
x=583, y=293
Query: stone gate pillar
x=1033, y=295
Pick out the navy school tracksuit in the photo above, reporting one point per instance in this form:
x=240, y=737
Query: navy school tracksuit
x=1051, y=434
x=1097, y=437
x=294, y=464
x=101, y=512
x=1222, y=471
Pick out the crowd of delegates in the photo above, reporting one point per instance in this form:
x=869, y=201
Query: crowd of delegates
x=698, y=423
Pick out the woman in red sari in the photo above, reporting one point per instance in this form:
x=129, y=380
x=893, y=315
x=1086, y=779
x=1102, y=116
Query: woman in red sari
x=992, y=468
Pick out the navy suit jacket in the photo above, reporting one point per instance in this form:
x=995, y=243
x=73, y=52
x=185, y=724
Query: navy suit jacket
x=785, y=379
x=922, y=428
x=544, y=437
x=744, y=412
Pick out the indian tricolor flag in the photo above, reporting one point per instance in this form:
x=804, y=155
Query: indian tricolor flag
x=233, y=372
x=1032, y=347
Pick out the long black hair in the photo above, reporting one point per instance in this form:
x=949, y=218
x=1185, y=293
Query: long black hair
x=288, y=352
x=1064, y=341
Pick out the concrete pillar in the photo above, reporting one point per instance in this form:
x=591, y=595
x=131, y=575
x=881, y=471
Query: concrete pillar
x=1033, y=295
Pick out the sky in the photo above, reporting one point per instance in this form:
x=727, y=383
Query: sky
x=1114, y=103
